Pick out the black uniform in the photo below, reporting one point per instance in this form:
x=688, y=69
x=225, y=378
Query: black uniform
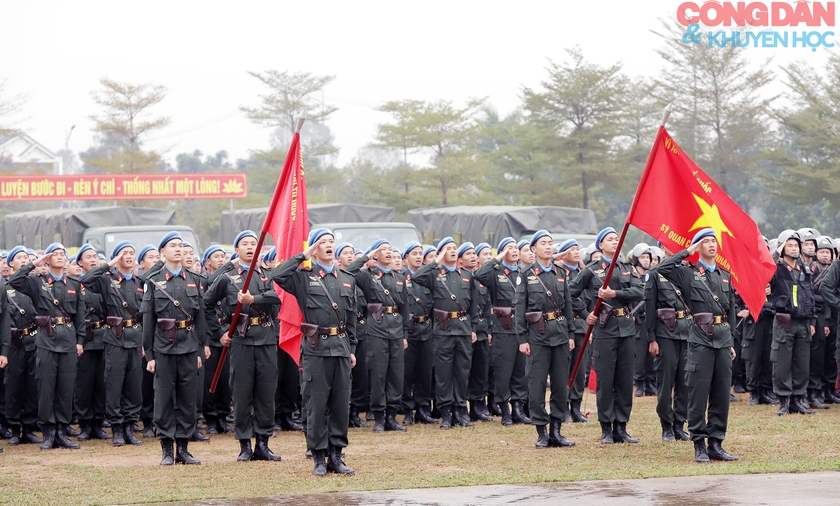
x=419, y=356
x=480, y=366
x=123, y=342
x=577, y=390
x=829, y=291
x=21, y=384
x=5, y=344
x=89, y=398
x=360, y=393
x=216, y=405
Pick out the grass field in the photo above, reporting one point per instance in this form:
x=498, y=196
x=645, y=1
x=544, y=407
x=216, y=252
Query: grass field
x=423, y=457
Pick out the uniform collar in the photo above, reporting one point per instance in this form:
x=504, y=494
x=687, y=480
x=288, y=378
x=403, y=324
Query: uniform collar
x=543, y=268
x=171, y=274
x=509, y=267
x=450, y=269
x=570, y=268
x=54, y=278
x=383, y=270
x=324, y=270
x=710, y=268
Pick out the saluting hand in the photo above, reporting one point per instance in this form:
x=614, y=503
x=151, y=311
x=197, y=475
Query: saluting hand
x=307, y=254
x=503, y=253
x=41, y=261
x=116, y=259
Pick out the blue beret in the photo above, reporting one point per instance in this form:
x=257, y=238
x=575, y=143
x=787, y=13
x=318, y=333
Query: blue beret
x=443, y=242
x=72, y=259
x=100, y=256
x=228, y=251
x=234, y=257
x=539, y=234
x=427, y=250
x=85, y=247
x=209, y=251
x=480, y=247
x=17, y=249
x=185, y=244
x=242, y=235
x=601, y=235
x=521, y=244
x=171, y=236
x=145, y=249
x=565, y=245
x=120, y=246
x=464, y=248
x=706, y=232
x=357, y=251
x=30, y=251
x=410, y=246
x=270, y=255
x=53, y=247
x=377, y=243
x=342, y=246
x=319, y=233
x=504, y=242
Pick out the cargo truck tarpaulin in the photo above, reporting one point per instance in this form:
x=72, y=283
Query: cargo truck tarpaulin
x=124, y=186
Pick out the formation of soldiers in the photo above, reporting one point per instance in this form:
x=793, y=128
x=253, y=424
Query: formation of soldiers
x=447, y=334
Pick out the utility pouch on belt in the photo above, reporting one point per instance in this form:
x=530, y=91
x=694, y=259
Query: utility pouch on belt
x=784, y=320
x=706, y=322
x=376, y=310
x=605, y=314
x=167, y=326
x=442, y=317
x=505, y=316
x=44, y=323
x=535, y=318
x=242, y=324
x=668, y=315
x=411, y=323
x=116, y=324
x=88, y=330
x=310, y=331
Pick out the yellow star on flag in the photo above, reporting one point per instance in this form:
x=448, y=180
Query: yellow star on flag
x=710, y=219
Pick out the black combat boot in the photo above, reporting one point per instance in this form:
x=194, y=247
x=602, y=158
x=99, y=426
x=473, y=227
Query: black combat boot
x=700, y=453
x=667, y=431
x=379, y=421
x=650, y=388
x=680, y=433
x=262, y=451
x=355, y=421
x=130, y=438
x=197, y=437
x=518, y=415
x=222, y=426
x=507, y=420
x=96, y=431
x=461, y=416
x=15, y=439
x=640, y=389
x=493, y=407
x=481, y=407
x=445, y=417
x=783, y=405
x=288, y=423
x=542, y=437
x=168, y=458
x=577, y=415
x=408, y=417
x=606, y=433
x=212, y=427
x=49, y=436
x=84, y=430
x=118, y=431
x=476, y=413
x=183, y=455
x=320, y=463
x=716, y=452
x=336, y=465
x=29, y=436
x=391, y=421
x=814, y=400
x=424, y=415
x=148, y=428
x=770, y=394
x=620, y=434
x=555, y=439
x=70, y=431
x=61, y=440
x=245, y=451
x=830, y=395
x=755, y=398
x=797, y=405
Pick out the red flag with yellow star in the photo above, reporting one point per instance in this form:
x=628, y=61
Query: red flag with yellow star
x=676, y=199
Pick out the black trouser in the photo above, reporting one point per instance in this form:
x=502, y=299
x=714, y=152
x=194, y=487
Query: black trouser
x=739, y=366
x=709, y=377
x=199, y=386
x=56, y=375
x=790, y=355
x=510, y=381
x=417, y=387
x=253, y=380
x=479, y=371
x=176, y=382
x=216, y=404
x=453, y=355
x=89, y=400
x=325, y=387
x=671, y=389
x=614, y=358
x=288, y=383
x=359, y=395
x=21, y=388
x=829, y=360
x=543, y=362
x=643, y=368
x=755, y=349
x=147, y=412
x=123, y=383
x=576, y=392
x=816, y=360
x=386, y=361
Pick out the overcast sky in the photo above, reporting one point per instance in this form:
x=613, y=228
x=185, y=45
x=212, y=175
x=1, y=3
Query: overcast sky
x=56, y=52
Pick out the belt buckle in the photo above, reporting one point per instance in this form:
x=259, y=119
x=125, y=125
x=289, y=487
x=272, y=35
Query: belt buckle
x=333, y=331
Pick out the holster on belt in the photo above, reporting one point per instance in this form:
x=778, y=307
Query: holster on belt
x=605, y=314
x=44, y=323
x=706, y=322
x=116, y=324
x=242, y=324
x=88, y=330
x=411, y=323
x=442, y=317
x=17, y=338
x=668, y=315
x=784, y=320
x=310, y=332
x=376, y=310
x=535, y=318
x=167, y=326
x=505, y=316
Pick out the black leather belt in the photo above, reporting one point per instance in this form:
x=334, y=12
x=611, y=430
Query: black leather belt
x=331, y=331
x=421, y=319
x=553, y=316
x=184, y=324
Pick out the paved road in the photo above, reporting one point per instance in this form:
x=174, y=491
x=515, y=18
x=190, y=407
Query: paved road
x=817, y=489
